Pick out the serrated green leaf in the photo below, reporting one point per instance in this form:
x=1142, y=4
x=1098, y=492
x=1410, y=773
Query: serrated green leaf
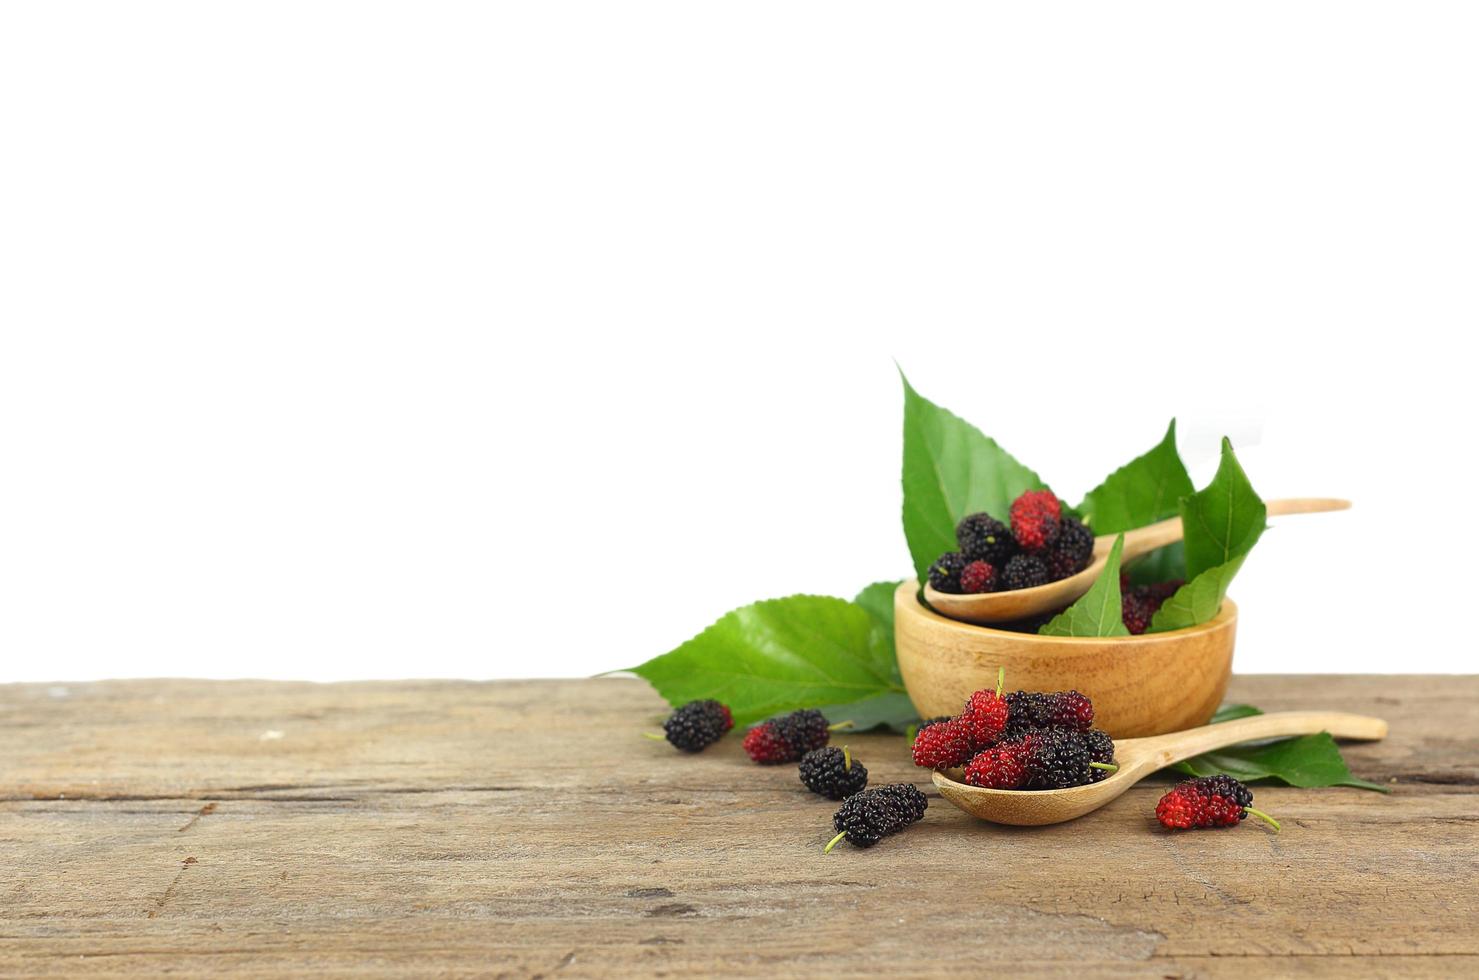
x=1223, y=521
x=780, y=655
x=1098, y=612
x=951, y=470
x=1147, y=489
x=1308, y=761
x=1221, y=524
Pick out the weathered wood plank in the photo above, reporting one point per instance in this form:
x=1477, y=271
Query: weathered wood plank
x=425, y=828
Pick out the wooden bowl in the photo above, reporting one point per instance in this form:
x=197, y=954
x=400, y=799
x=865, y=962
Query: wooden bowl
x=1140, y=685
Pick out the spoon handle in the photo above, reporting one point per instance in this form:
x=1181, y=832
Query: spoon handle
x=1162, y=533
x=1176, y=746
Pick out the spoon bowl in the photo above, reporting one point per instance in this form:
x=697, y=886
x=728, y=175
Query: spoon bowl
x=1003, y=607
x=1138, y=758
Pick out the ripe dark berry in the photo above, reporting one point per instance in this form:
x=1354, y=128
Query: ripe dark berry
x=944, y=574
x=788, y=738
x=1069, y=709
x=977, y=577
x=1055, y=758
x=833, y=773
x=1036, y=518
x=1210, y=801
x=867, y=817
x=908, y=798
x=697, y=725
x=1101, y=751
x=1139, y=604
x=1062, y=709
x=985, y=718
x=999, y=767
x=983, y=537
x=1071, y=553
x=943, y=745
x=1024, y=572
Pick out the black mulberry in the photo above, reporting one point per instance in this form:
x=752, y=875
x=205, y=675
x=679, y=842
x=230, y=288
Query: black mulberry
x=983, y=537
x=833, y=773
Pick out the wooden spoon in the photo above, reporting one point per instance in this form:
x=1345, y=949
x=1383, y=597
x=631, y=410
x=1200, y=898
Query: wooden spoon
x=1003, y=607
x=1138, y=758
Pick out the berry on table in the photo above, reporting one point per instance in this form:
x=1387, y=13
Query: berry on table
x=697, y=725
x=944, y=574
x=833, y=773
x=789, y=737
x=1036, y=519
x=982, y=537
x=1024, y=572
x=1209, y=801
x=867, y=817
x=977, y=577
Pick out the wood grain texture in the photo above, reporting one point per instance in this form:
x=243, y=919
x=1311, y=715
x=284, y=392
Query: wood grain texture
x=524, y=829
x=1141, y=685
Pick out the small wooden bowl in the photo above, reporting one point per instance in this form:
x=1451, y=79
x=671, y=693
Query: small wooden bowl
x=1140, y=685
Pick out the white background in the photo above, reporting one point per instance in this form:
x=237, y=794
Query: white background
x=381, y=340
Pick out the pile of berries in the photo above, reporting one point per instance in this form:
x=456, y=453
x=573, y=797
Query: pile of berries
x=1211, y=801
x=1041, y=545
x=1026, y=740
x=1140, y=602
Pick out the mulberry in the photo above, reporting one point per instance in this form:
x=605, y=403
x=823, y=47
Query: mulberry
x=944, y=574
x=943, y=745
x=984, y=538
x=788, y=738
x=697, y=725
x=1210, y=801
x=1036, y=519
x=1024, y=572
x=868, y=817
x=978, y=577
x=833, y=773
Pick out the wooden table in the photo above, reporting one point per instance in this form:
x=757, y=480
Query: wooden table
x=524, y=829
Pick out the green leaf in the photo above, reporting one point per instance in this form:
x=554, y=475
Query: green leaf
x=1224, y=521
x=892, y=710
x=1222, y=524
x=1098, y=612
x=1197, y=601
x=951, y=470
x=1309, y=761
x=1232, y=712
x=780, y=655
x=877, y=600
x=1147, y=489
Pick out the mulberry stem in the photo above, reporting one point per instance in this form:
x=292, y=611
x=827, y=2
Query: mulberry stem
x=1106, y=766
x=846, y=759
x=655, y=738
x=1001, y=676
x=833, y=843
x=840, y=724
x=1264, y=817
